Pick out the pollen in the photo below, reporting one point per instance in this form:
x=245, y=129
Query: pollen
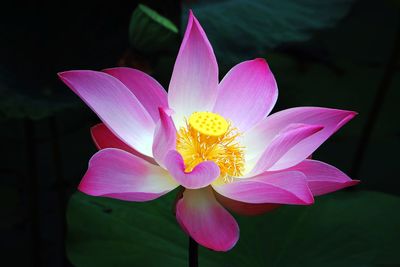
x=209, y=136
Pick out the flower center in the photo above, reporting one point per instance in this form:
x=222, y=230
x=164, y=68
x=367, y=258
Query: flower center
x=209, y=136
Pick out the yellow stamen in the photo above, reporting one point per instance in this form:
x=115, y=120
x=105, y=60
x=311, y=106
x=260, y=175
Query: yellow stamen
x=217, y=141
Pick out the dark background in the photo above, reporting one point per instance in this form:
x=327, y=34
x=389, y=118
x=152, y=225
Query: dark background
x=345, y=55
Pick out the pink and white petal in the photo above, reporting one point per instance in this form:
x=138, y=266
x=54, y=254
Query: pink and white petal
x=206, y=221
x=246, y=209
x=201, y=176
x=323, y=178
x=115, y=105
x=247, y=93
x=282, y=143
x=146, y=89
x=104, y=138
x=164, y=137
x=286, y=187
x=194, y=80
x=118, y=174
x=257, y=139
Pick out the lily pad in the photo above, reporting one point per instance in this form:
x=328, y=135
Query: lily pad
x=342, y=229
x=252, y=27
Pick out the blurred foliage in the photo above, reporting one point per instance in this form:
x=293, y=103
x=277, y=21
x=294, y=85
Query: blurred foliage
x=240, y=29
x=18, y=101
x=342, y=68
x=149, y=32
x=39, y=40
x=345, y=85
x=342, y=229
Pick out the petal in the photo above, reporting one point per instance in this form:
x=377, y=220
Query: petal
x=247, y=93
x=202, y=175
x=206, y=221
x=104, y=138
x=323, y=178
x=282, y=143
x=258, y=138
x=118, y=174
x=286, y=187
x=115, y=105
x=164, y=137
x=146, y=89
x=194, y=80
x=243, y=208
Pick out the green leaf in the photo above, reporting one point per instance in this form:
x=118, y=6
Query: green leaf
x=240, y=29
x=150, y=32
x=343, y=229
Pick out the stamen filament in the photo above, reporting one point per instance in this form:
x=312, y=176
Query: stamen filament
x=195, y=147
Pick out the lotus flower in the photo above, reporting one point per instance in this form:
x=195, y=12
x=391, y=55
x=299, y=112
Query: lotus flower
x=215, y=139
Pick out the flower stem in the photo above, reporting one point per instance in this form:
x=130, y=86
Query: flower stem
x=33, y=191
x=378, y=101
x=193, y=253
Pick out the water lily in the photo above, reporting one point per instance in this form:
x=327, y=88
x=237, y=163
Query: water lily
x=215, y=139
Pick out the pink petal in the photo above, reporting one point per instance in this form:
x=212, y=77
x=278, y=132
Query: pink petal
x=258, y=138
x=202, y=175
x=282, y=143
x=115, y=105
x=194, y=80
x=118, y=174
x=146, y=89
x=323, y=178
x=286, y=187
x=164, y=137
x=246, y=209
x=247, y=93
x=206, y=221
x=104, y=138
